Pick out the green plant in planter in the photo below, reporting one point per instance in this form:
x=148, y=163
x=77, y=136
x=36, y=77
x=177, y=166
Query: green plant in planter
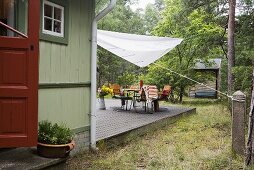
x=54, y=134
x=54, y=141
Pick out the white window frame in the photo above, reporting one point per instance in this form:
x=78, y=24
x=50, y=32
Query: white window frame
x=53, y=5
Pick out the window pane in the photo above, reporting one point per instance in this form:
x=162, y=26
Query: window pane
x=57, y=26
x=47, y=24
x=58, y=14
x=14, y=14
x=53, y=19
x=48, y=10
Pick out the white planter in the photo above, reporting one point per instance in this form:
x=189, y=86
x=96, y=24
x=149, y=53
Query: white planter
x=102, y=103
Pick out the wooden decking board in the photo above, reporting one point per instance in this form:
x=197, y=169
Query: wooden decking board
x=114, y=120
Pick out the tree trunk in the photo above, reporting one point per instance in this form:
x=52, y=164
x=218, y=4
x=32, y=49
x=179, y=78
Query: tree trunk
x=181, y=94
x=231, y=44
x=250, y=128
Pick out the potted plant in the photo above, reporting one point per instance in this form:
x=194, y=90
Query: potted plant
x=54, y=141
x=103, y=91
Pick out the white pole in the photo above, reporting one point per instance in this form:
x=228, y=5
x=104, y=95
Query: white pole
x=94, y=71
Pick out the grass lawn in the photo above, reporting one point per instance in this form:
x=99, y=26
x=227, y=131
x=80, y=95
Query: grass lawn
x=198, y=141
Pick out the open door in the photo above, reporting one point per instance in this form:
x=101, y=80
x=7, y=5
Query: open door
x=19, y=50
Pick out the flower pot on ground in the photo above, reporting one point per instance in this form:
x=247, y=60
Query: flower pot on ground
x=54, y=151
x=102, y=105
x=54, y=141
x=103, y=91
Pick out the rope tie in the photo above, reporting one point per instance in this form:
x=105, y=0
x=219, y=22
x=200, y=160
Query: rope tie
x=225, y=94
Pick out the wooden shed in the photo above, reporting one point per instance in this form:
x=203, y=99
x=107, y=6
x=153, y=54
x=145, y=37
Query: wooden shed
x=202, y=91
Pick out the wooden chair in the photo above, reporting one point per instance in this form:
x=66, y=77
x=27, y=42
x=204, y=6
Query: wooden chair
x=116, y=89
x=117, y=94
x=134, y=87
x=165, y=92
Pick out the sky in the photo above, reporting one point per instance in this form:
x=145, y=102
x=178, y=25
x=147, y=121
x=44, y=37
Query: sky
x=142, y=4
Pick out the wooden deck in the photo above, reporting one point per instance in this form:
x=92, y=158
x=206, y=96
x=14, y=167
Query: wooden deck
x=114, y=120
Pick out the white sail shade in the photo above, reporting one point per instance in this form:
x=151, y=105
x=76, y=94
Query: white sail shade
x=140, y=50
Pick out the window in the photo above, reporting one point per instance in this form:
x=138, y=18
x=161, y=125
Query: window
x=14, y=14
x=53, y=19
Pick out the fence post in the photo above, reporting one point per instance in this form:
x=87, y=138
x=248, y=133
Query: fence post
x=238, y=115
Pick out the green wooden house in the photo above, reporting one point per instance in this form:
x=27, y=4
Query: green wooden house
x=64, y=70
x=45, y=41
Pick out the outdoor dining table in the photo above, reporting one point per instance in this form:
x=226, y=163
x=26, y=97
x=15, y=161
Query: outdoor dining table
x=133, y=94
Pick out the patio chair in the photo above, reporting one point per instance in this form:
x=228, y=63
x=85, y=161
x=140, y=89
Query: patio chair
x=138, y=96
x=148, y=94
x=165, y=92
x=151, y=92
x=134, y=87
x=164, y=95
x=118, y=94
x=116, y=89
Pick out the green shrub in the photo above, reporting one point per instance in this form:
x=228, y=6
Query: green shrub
x=49, y=133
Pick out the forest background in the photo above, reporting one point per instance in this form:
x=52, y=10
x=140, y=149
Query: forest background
x=203, y=24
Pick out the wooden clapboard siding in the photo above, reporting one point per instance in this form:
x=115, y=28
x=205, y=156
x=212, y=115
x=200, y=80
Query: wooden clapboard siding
x=204, y=88
x=68, y=105
x=63, y=64
x=69, y=63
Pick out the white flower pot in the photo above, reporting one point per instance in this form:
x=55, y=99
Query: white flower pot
x=102, y=103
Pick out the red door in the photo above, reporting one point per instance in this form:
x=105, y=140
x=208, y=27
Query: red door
x=19, y=47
